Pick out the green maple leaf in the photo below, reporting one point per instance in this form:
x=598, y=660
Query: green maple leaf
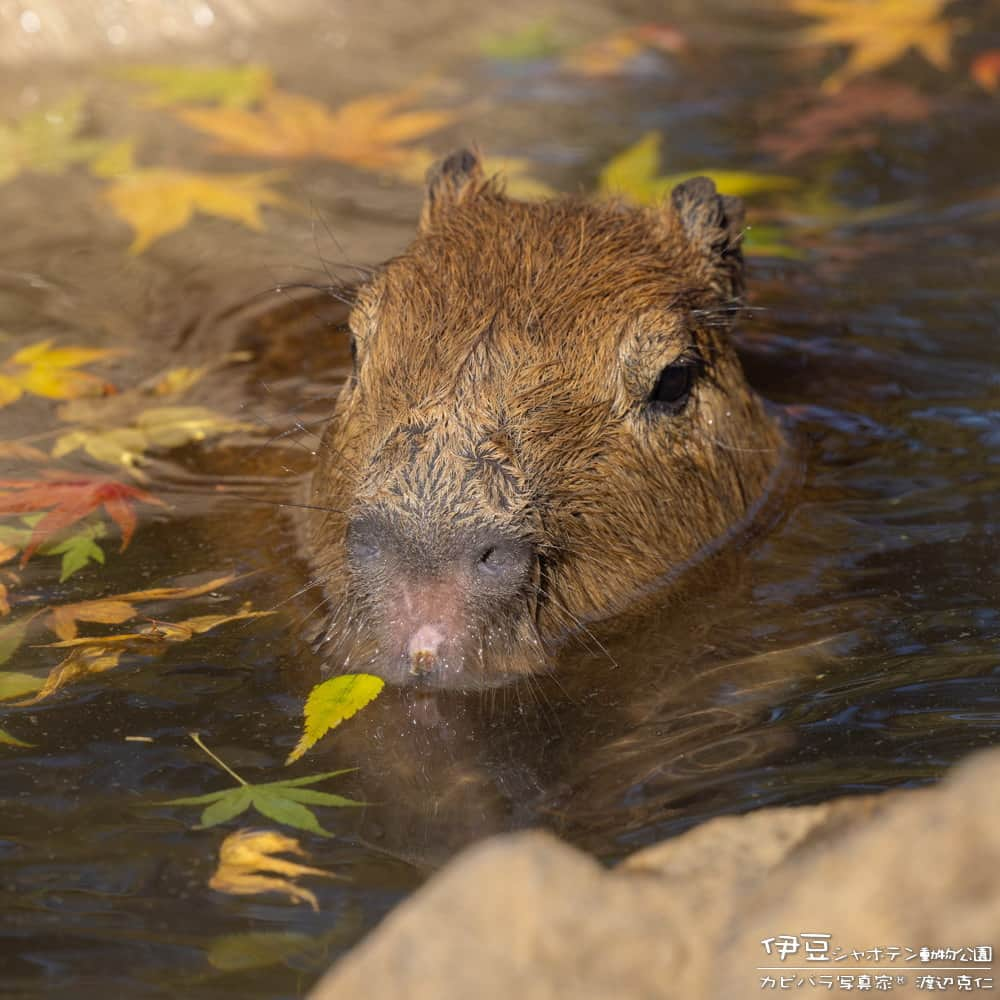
x=285, y=802
x=78, y=550
x=46, y=141
x=230, y=86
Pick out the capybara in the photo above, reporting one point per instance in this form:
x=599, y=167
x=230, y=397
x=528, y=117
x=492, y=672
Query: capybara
x=546, y=424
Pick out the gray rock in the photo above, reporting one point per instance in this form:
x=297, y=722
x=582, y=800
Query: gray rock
x=528, y=917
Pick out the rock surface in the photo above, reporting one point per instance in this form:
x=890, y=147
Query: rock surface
x=524, y=916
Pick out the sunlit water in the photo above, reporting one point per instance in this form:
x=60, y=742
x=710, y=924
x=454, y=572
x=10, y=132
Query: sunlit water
x=850, y=647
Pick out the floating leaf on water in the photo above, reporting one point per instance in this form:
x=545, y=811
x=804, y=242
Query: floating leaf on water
x=230, y=86
x=878, y=32
x=283, y=801
x=536, y=40
x=159, y=428
x=634, y=174
x=52, y=372
x=12, y=635
x=985, y=70
x=248, y=866
x=45, y=141
x=80, y=663
x=331, y=703
x=67, y=501
x=371, y=132
x=158, y=201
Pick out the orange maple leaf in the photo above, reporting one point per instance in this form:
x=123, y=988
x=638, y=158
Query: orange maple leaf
x=368, y=133
x=68, y=501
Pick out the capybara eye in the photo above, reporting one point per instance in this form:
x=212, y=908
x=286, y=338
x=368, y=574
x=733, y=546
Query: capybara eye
x=673, y=387
x=354, y=352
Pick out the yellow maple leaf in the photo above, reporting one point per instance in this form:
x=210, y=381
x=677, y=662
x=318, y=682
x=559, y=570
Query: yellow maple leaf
x=159, y=201
x=44, y=370
x=45, y=141
x=878, y=32
x=634, y=174
x=247, y=866
x=371, y=132
x=161, y=427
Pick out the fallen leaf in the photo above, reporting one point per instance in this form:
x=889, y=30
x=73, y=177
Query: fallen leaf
x=45, y=141
x=283, y=801
x=331, y=703
x=50, y=371
x=4, y=598
x=12, y=741
x=613, y=54
x=11, y=637
x=160, y=428
x=370, y=133
x=68, y=501
x=533, y=41
x=78, y=550
x=79, y=664
x=108, y=611
x=257, y=949
x=178, y=593
x=634, y=174
x=848, y=119
x=878, y=32
x=230, y=86
x=985, y=70
x=158, y=201
x=248, y=866
x=15, y=685
x=517, y=180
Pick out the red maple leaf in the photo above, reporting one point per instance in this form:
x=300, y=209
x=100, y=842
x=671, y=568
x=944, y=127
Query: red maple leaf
x=68, y=501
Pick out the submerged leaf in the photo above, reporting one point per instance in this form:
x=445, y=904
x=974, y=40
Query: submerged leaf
x=257, y=949
x=15, y=685
x=11, y=637
x=330, y=703
x=248, y=866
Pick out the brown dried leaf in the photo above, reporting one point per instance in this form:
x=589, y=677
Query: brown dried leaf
x=107, y=611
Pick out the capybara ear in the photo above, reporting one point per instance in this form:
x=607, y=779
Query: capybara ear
x=450, y=182
x=713, y=224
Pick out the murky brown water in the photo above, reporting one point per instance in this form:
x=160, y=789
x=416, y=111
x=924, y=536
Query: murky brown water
x=852, y=647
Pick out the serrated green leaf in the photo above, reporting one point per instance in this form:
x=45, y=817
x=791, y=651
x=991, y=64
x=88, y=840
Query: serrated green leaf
x=14, y=685
x=282, y=810
x=315, y=798
x=256, y=949
x=331, y=703
x=238, y=800
x=197, y=800
x=310, y=779
x=12, y=741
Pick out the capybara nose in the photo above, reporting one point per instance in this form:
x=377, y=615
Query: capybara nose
x=498, y=565
x=484, y=562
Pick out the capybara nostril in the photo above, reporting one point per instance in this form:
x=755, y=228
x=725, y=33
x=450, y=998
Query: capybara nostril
x=501, y=566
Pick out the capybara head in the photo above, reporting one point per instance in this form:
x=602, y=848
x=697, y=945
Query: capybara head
x=546, y=421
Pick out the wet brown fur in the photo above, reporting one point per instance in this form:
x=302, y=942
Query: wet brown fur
x=505, y=362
